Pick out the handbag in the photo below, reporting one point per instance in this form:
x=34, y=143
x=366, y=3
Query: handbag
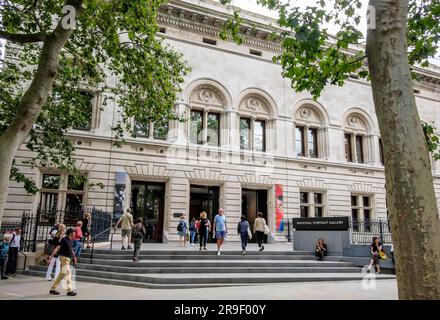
x=266, y=229
x=48, y=248
x=382, y=255
x=249, y=233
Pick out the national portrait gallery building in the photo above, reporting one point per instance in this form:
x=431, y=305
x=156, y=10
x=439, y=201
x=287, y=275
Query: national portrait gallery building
x=250, y=144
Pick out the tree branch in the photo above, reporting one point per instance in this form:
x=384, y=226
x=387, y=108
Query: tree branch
x=22, y=37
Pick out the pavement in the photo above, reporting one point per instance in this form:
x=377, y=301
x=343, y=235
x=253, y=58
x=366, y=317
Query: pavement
x=32, y=288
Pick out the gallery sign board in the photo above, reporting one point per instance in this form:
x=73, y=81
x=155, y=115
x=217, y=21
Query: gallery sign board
x=327, y=223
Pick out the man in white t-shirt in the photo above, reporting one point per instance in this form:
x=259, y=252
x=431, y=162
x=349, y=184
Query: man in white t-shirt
x=126, y=222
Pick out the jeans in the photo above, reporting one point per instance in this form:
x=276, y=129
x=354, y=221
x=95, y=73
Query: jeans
x=192, y=234
x=244, y=240
x=56, y=262
x=137, y=247
x=65, y=273
x=260, y=238
x=3, y=266
x=203, y=237
x=12, y=260
x=77, y=247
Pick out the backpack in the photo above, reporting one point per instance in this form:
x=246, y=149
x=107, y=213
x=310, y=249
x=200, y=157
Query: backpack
x=137, y=232
x=180, y=226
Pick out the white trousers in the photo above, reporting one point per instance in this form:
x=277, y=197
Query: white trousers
x=56, y=262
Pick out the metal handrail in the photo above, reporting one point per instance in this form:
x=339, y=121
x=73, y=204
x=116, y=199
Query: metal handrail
x=93, y=241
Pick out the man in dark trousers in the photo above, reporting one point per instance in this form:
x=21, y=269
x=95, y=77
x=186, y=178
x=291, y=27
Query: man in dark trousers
x=66, y=253
x=14, y=248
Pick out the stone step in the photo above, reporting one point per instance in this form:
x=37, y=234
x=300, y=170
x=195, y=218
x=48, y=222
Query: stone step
x=217, y=263
x=218, y=279
x=137, y=284
x=200, y=256
x=195, y=251
x=216, y=270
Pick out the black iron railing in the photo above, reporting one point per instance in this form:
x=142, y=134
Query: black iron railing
x=36, y=226
x=363, y=231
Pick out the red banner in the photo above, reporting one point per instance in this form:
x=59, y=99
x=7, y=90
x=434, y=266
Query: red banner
x=279, y=210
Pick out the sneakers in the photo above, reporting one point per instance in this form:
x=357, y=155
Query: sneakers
x=71, y=293
x=129, y=248
x=204, y=248
x=123, y=248
x=4, y=278
x=262, y=248
x=200, y=248
x=218, y=253
x=54, y=292
x=244, y=253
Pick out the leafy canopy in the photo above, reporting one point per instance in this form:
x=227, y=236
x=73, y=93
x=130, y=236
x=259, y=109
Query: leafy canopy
x=114, y=50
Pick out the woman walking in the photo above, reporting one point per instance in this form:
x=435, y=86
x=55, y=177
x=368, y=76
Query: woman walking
x=56, y=238
x=86, y=227
x=192, y=231
x=137, y=233
x=242, y=230
x=182, y=230
x=375, y=249
x=203, y=230
x=77, y=239
x=259, y=227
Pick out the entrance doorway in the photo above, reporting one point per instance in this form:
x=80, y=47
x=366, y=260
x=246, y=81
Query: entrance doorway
x=147, y=202
x=204, y=198
x=252, y=202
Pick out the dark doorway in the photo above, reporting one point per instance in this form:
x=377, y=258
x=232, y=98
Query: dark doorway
x=252, y=202
x=204, y=198
x=147, y=202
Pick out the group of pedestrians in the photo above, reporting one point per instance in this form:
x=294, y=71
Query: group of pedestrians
x=63, y=247
x=9, y=248
x=200, y=228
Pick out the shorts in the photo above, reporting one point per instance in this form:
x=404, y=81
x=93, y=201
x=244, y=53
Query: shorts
x=126, y=233
x=220, y=234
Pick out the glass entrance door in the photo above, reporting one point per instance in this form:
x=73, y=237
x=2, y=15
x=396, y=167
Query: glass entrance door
x=204, y=198
x=147, y=203
x=252, y=202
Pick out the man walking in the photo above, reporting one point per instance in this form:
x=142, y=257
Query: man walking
x=66, y=253
x=14, y=248
x=126, y=222
x=220, y=229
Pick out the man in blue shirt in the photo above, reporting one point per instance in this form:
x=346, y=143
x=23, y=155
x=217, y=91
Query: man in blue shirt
x=220, y=229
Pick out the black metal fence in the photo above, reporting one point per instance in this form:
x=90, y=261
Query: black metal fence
x=363, y=231
x=36, y=226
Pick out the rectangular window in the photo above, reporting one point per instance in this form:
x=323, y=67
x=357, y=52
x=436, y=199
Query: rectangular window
x=382, y=161
x=196, y=127
x=160, y=130
x=318, y=198
x=210, y=41
x=245, y=131
x=312, y=142
x=367, y=219
x=304, y=211
x=304, y=197
x=354, y=217
x=260, y=135
x=299, y=141
x=354, y=201
x=359, y=149
x=366, y=201
x=213, y=129
x=141, y=129
x=318, y=212
x=348, y=151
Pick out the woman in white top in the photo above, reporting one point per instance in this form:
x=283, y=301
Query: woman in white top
x=259, y=227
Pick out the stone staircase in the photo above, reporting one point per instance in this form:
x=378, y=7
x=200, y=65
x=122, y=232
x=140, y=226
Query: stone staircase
x=171, y=269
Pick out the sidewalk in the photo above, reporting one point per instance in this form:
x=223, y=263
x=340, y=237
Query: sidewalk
x=32, y=288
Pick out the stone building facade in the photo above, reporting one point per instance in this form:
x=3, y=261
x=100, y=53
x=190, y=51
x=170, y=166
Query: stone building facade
x=249, y=138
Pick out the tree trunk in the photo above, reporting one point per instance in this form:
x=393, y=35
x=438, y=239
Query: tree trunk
x=32, y=102
x=412, y=205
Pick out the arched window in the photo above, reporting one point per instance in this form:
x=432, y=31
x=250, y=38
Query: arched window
x=206, y=114
x=310, y=132
x=358, y=139
x=255, y=121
